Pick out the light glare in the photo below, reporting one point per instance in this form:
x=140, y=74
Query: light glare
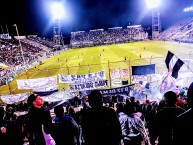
x=152, y=3
x=57, y=10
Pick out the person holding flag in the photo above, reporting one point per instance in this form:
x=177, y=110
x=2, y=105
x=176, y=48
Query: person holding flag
x=173, y=64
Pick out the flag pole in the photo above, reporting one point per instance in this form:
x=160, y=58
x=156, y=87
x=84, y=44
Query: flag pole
x=21, y=49
x=109, y=74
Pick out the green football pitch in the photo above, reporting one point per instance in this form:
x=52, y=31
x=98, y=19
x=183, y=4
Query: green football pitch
x=94, y=59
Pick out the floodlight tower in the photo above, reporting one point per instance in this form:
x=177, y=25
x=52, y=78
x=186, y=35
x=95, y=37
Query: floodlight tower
x=156, y=22
x=57, y=12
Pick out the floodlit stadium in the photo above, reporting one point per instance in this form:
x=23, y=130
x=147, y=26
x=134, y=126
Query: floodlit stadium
x=97, y=50
x=96, y=72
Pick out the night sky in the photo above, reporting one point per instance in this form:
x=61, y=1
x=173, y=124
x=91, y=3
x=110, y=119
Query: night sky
x=34, y=17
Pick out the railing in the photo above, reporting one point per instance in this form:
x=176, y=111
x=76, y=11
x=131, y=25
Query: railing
x=109, y=65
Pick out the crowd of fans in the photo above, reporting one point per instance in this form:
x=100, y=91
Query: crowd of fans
x=181, y=31
x=44, y=41
x=11, y=55
x=110, y=36
x=109, y=120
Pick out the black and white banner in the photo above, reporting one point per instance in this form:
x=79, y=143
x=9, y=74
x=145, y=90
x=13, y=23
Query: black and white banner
x=88, y=86
x=79, y=79
x=59, y=96
x=46, y=90
x=120, y=90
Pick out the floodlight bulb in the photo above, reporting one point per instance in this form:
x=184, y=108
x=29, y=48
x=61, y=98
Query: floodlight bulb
x=57, y=10
x=152, y=3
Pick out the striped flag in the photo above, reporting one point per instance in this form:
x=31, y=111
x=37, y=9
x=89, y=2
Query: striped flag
x=173, y=64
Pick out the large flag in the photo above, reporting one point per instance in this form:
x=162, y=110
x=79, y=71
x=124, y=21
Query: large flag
x=173, y=64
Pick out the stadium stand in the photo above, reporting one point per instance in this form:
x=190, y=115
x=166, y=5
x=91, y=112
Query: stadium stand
x=105, y=37
x=181, y=31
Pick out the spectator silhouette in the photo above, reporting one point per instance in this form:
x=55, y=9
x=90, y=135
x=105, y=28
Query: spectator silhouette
x=183, y=125
x=136, y=103
x=65, y=128
x=39, y=120
x=3, y=124
x=133, y=128
x=164, y=120
x=11, y=130
x=100, y=124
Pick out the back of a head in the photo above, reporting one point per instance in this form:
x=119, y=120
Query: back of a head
x=129, y=108
x=31, y=99
x=59, y=111
x=132, y=99
x=95, y=99
x=170, y=97
x=190, y=95
x=147, y=101
x=182, y=92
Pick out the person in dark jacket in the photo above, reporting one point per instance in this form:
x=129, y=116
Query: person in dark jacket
x=164, y=120
x=100, y=124
x=3, y=124
x=183, y=125
x=65, y=129
x=39, y=120
x=10, y=130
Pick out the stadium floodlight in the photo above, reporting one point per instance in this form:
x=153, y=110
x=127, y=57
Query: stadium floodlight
x=151, y=4
x=57, y=10
x=188, y=9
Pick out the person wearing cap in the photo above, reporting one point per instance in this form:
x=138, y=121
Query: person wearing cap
x=181, y=98
x=164, y=118
x=39, y=120
x=183, y=125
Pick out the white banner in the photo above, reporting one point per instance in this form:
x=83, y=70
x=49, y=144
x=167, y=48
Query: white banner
x=116, y=83
x=59, y=96
x=78, y=79
x=138, y=78
x=46, y=88
x=88, y=86
x=13, y=98
x=119, y=73
x=37, y=83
